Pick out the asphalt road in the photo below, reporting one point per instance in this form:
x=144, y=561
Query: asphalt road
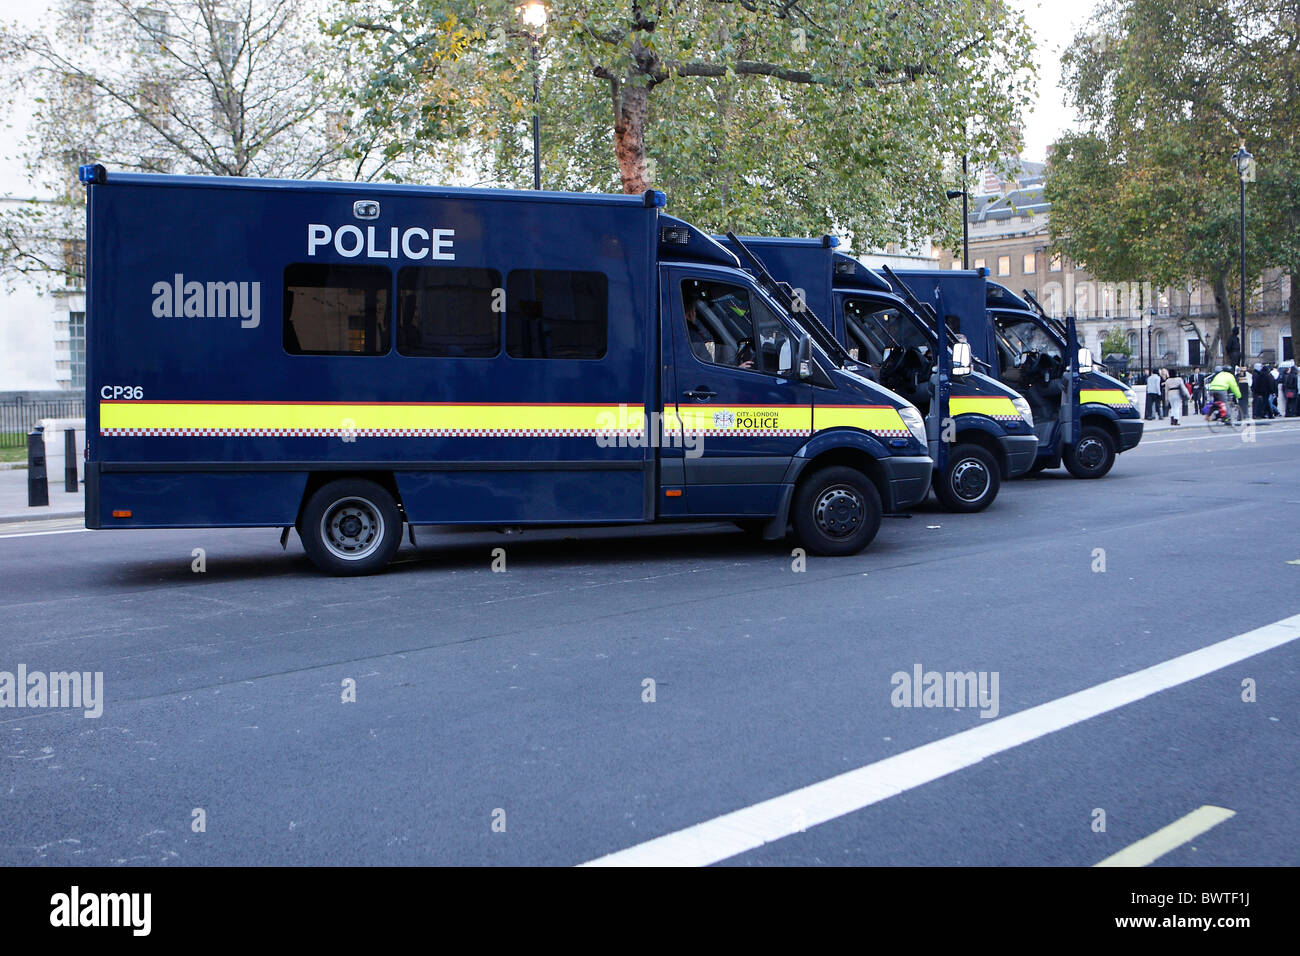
x=499, y=717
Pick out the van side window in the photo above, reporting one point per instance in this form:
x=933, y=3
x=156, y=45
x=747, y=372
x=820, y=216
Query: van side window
x=556, y=314
x=721, y=320
x=336, y=309
x=449, y=312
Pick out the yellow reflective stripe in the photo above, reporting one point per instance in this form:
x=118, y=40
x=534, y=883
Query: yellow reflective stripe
x=995, y=406
x=1103, y=396
x=871, y=418
x=364, y=418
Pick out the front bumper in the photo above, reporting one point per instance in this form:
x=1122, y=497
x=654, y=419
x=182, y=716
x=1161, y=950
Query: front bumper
x=1130, y=432
x=1021, y=450
x=907, y=480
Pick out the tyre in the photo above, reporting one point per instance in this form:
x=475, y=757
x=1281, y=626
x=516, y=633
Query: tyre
x=970, y=482
x=1092, y=456
x=836, y=511
x=351, y=526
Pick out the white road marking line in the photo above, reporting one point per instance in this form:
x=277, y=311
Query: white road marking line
x=34, y=534
x=1149, y=849
x=746, y=829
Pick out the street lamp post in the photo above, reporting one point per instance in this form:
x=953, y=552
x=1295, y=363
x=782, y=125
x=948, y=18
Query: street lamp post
x=1245, y=174
x=533, y=14
x=965, y=215
x=1151, y=355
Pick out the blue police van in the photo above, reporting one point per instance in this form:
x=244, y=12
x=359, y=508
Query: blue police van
x=979, y=430
x=346, y=359
x=1084, y=418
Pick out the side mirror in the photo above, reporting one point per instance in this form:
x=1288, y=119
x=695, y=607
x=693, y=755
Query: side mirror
x=1086, y=363
x=804, y=363
x=961, y=360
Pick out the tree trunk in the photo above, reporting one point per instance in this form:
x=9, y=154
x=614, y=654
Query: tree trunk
x=1294, y=309
x=633, y=111
x=1224, y=307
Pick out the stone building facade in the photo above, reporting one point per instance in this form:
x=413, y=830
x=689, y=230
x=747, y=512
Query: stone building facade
x=1008, y=229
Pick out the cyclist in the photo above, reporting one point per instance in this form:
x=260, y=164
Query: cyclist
x=1221, y=384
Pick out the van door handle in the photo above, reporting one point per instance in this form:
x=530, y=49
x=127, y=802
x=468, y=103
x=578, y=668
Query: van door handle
x=701, y=393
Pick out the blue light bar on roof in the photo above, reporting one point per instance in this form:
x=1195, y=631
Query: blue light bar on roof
x=92, y=173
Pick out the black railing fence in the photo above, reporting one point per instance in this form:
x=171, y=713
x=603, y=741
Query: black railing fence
x=17, y=416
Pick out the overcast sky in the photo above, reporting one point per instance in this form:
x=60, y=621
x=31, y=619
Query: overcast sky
x=1054, y=22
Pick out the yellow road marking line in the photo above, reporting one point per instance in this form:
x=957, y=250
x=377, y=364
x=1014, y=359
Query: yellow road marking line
x=1184, y=830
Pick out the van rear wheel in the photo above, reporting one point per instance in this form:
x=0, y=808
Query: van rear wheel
x=836, y=511
x=351, y=526
x=970, y=482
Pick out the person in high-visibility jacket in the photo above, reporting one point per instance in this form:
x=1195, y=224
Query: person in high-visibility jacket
x=1223, y=381
x=1221, y=384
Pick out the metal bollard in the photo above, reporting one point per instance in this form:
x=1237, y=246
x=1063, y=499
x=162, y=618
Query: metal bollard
x=70, y=460
x=38, y=488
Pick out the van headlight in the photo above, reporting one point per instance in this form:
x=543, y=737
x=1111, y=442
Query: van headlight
x=1023, y=408
x=914, y=422
x=1131, y=396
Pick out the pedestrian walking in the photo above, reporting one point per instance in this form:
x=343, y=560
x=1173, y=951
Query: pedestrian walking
x=1176, y=395
x=1153, y=396
x=1261, y=384
x=1289, y=380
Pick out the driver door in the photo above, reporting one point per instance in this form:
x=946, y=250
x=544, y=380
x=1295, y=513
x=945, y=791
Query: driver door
x=733, y=357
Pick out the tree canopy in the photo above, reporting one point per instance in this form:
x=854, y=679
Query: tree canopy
x=778, y=116
x=1168, y=90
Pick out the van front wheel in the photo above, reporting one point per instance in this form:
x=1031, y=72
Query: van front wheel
x=1092, y=456
x=970, y=482
x=836, y=511
x=351, y=526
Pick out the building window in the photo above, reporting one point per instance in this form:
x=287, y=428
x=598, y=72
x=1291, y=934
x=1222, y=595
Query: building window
x=1162, y=343
x=228, y=42
x=981, y=264
x=1054, y=263
x=336, y=310
x=556, y=314
x=74, y=263
x=80, y=16
x=77, y=348
x=155, y=102
x=1031, y=263
x=1133, y=342
x=1256, y=341
x=336, y=127
x=153, y=23
x=1004, y=265
x=449, y=312
x=79, y=96
x=956, y=264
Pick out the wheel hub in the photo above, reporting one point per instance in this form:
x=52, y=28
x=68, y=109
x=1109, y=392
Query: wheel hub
x=970, y=480
x=839, y=511
x=352, y=528
x=1090, y=453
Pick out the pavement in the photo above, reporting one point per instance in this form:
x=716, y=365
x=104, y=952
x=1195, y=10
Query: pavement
x=683, y=692
x=13, y=498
